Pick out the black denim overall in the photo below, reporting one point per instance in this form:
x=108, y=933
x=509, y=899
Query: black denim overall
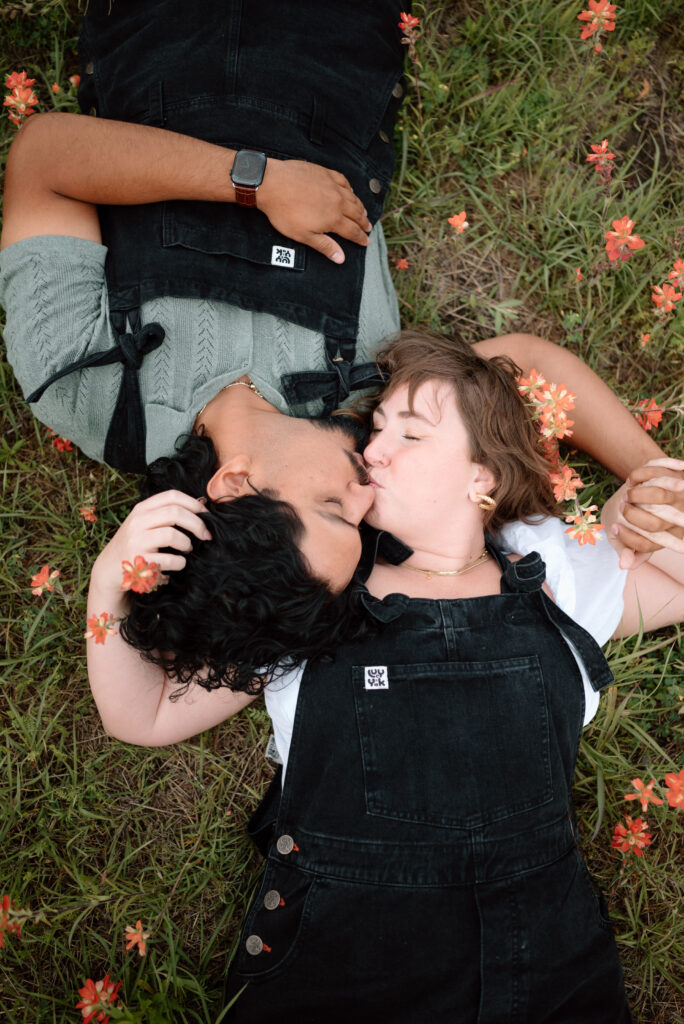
x=316, y=80
x=422, y=861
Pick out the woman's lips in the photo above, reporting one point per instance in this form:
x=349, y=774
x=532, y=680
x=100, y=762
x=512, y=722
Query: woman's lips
x=374, y=483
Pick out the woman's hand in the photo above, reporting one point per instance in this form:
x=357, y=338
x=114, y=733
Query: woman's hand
x=152, y=525
x=651, y=511
x=305, y=201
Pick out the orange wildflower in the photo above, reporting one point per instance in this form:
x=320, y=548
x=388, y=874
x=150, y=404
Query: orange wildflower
x=99, y=627
x=528, y=384
x=88, y=513
x=585, y=529
x=600, y=17
x=75, y=80
x=644, y=340
x=665, y=297
x=651, y=415
x=565, y=482
x=620, y=243
x=401, y=263
x=9, y=921
x=42, y=581
x=136, y=937
x=675, y=789
x=19, y=79
x=644, y=794
x=578, y=274
x=55, y=87
x=676, y=275
x=96, y=996
x=459, y=222
x=140, y=576
x=408, y=22
x=22, y=98
x=62, y=444
x=633, y=838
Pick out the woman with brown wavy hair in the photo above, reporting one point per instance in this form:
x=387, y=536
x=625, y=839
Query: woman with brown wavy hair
x=422, y=860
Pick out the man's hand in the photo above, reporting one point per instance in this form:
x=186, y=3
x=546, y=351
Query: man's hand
x=305, y=201
x=652, y=511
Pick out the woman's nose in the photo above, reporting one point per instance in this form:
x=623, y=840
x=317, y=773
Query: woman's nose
x=374, y=453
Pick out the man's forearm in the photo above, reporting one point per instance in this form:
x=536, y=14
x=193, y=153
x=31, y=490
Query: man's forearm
x=62, y=166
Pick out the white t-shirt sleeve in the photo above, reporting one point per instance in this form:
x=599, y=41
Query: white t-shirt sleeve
x=586, y=581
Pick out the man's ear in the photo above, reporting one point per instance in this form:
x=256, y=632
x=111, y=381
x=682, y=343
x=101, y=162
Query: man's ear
x=230, y=480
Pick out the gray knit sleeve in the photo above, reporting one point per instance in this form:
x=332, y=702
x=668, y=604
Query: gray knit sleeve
x=54, y=294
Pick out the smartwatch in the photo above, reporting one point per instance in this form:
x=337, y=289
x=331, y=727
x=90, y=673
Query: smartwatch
x=247, y=174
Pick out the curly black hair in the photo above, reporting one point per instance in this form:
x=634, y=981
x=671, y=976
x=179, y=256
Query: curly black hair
x=246, y=605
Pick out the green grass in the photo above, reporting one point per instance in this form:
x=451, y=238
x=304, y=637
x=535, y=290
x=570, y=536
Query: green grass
x=96, y=834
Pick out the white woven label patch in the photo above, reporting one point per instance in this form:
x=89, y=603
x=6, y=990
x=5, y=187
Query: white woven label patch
x=375, y=677
x=281, y=257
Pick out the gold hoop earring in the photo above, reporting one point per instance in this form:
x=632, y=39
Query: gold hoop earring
x=485, y=502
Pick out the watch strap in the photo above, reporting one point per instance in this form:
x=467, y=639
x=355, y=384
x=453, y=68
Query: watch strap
x=245, y=195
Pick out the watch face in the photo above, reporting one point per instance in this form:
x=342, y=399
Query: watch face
x=248, y=168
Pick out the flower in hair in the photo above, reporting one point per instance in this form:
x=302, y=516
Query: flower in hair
x=140, y=576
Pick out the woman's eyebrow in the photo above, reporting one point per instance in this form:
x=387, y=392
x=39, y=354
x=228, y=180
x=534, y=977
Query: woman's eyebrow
x=405, y=414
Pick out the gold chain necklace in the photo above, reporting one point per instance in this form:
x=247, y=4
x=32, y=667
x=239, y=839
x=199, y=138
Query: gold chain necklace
x=484, y=554
x=234, y=383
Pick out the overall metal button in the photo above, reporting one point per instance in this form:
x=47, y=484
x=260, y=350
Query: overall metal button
x=375, y=186
x=254, y=945
x=89, y=68
x=398, y=91
x=285, y=844
x=272, y=899
x=383, y=135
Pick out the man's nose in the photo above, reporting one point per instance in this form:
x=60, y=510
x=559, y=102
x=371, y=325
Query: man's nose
x=360, y=499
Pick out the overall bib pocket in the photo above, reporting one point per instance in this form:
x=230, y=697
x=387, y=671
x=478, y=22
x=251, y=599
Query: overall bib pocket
x=413, y=771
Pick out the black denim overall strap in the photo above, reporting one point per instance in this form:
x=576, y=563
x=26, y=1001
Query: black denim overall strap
x=125, y=441
x=421, y=861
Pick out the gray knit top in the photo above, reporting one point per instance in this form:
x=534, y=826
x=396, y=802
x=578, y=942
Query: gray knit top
x=54, y=293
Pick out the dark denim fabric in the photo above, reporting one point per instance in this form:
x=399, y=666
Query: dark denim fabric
x=435, y=874
x=319, y=80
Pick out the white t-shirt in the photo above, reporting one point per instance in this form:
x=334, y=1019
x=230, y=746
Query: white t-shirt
x=586, y=582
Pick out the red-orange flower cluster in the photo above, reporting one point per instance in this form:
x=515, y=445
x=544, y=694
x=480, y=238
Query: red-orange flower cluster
x=585, y=529
x=620, y=242
x=565, y=483
x=140, y=576
x=651, y=413
x=644, y=794
x=42, y=581
x=22, y=98
x=632, y=837
x=459, y=222
x=136, y=937
x=10, y=921
x=601, y=158
x=401, y=263
x=551, y=403
x=62, y=444
x=88, y=513
x=675, y=789
x=600, y=17
x=99, y=627
x=96, y=996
